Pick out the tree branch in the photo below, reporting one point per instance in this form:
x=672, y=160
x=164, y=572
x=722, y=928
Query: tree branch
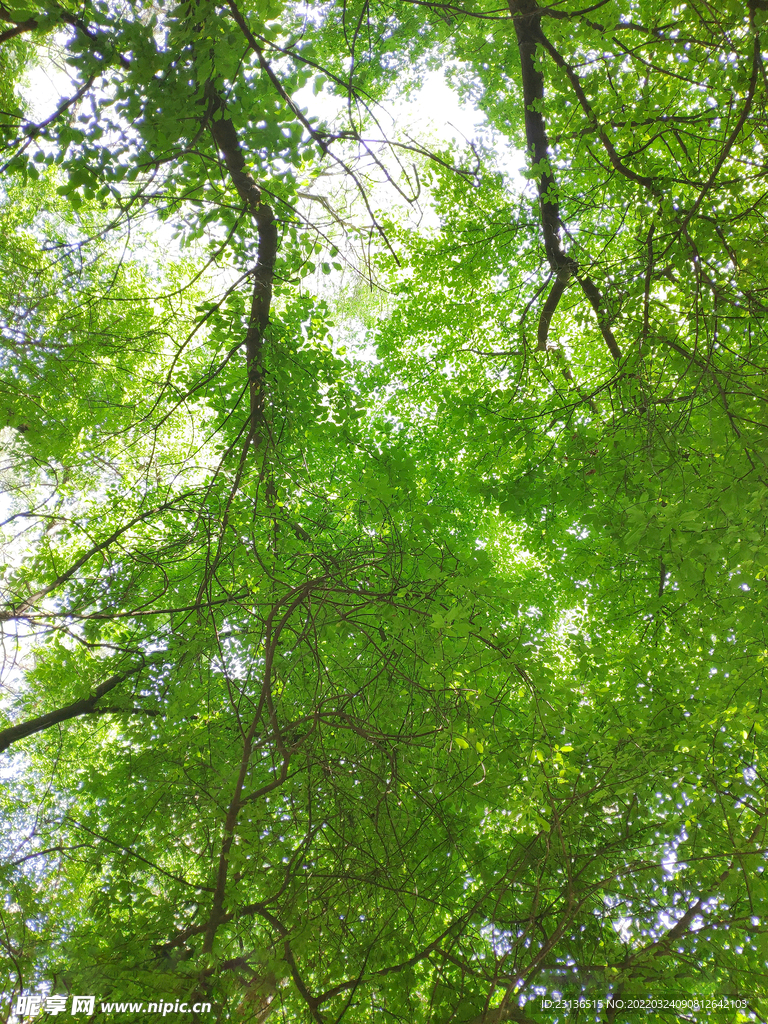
x=226, y=139
x=217, y=914
x=19, y=609
x=526, y=17
x=596, y=302
x=527, y=21
x=80, y=707
x=581, y=96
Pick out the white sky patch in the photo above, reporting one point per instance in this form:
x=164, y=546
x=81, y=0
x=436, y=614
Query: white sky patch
x=432, y=118
x=46, y=84
x=436, y=110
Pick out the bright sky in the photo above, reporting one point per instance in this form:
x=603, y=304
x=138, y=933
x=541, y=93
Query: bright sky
x=436, y=108
x=434, y=113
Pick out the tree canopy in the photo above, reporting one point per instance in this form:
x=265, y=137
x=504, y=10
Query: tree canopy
x=384, y=531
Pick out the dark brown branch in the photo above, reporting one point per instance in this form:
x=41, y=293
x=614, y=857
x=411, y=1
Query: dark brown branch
x=25, y=24
x=613, y=156
x=526, y=17
x=596, y=302
x=549, y=307
x=30, y=24
x=80, y=707
x=731, y=140
x=18, y=28
x=22, y=607
x=44, y=853
x=311, y=1001
x=218, y=915
x=527, y=22
x=131, y=852
x=33, y=130
x=226, y=139
x=660, y=946
x=318, y=136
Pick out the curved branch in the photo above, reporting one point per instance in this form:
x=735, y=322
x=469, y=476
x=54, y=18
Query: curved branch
x=731, y=140
x=272, y=636
x=21, y=25
x=318, y=136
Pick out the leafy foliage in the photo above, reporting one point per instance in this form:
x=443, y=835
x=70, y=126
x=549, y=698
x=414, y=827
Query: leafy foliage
x=392, y=658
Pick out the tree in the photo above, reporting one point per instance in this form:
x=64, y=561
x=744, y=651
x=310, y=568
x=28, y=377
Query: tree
x=417, y=688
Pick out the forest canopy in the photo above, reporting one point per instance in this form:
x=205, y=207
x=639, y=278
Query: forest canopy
x=383, y=530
